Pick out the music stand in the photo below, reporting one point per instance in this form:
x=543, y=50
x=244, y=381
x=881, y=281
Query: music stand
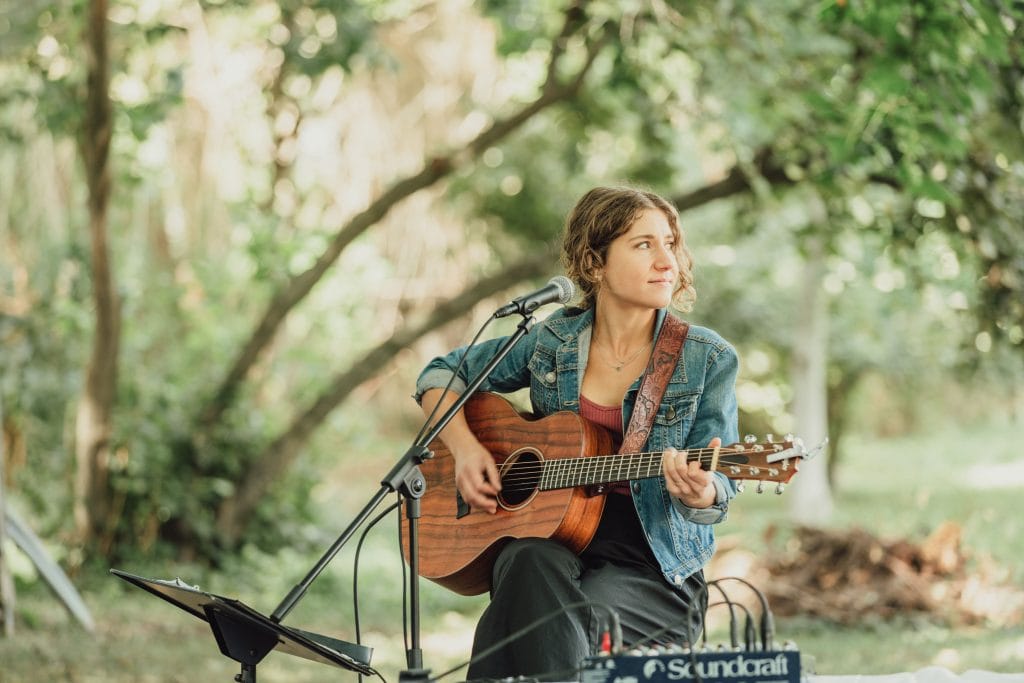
x=246, y=636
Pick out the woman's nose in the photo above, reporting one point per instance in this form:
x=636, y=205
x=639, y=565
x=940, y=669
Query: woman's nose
x=666, y=259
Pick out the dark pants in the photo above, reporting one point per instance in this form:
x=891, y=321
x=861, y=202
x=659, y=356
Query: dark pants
x=533, y=578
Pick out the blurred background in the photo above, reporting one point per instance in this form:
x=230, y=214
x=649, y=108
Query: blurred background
x=231, y=234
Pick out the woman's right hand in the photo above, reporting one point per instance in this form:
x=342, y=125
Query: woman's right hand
x=476, y=477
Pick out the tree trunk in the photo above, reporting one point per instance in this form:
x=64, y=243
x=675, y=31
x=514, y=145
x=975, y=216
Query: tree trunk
x=810, y=499
x=272, y=463
x=7, y=594
x=95, y=408
x=838, y=411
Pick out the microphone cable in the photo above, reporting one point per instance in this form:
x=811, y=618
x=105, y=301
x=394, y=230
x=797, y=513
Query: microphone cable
x=733, y=630
x=355, y=574
x=749, y=630
x=649, y=638
x=614, y=628
x=702, y=598
x=735, y=643
x=462, y=361
x=566, y=291
x=704, y=633
x=767, y=618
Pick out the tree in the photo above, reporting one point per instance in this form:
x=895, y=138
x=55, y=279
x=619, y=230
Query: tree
x=93, y=425
x=890, y=117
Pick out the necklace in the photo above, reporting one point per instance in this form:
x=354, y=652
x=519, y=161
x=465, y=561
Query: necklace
x=617, y=365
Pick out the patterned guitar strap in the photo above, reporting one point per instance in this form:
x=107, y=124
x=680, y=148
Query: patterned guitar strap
x=666, y=353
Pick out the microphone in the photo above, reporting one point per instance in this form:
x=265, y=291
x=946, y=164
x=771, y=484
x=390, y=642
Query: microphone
x=558, y=288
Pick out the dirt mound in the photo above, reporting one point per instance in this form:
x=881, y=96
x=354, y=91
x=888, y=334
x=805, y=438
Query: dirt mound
x=848, y=574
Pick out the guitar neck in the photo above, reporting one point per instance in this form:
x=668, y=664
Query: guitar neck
x=609, y=469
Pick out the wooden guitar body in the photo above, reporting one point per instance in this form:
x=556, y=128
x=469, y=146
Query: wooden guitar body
x=458, y=553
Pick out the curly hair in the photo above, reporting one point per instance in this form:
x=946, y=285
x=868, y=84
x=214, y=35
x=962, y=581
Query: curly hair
x=602, y=215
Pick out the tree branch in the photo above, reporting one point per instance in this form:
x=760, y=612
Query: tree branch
x=275, y=460
x=298, y=287
x=735, y=183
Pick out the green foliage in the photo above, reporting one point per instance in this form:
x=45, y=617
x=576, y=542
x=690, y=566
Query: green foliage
x=897, y=122
x=928, y=480
x=39, y=376
x=523, y=22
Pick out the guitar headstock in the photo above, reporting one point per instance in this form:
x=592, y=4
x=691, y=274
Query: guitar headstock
x=769, y=460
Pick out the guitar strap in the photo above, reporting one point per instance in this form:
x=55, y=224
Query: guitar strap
x=664, y=358
x=667, y=350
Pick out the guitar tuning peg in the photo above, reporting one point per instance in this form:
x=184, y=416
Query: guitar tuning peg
x=749, y=439
x=789, y=438
x=769, y=437
x=779, y=488
x=760, y=486
x=740, y=487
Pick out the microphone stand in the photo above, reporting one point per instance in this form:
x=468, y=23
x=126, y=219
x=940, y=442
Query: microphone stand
x=407, y=479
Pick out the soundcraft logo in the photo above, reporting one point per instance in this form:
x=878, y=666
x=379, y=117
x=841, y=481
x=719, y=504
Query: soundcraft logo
x=739, y=666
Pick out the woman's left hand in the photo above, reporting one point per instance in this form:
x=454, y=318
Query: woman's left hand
x=686, y=480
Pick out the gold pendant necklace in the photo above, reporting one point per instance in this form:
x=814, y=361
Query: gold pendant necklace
x=617, y=365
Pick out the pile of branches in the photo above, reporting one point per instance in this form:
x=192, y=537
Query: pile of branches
x=849, y=574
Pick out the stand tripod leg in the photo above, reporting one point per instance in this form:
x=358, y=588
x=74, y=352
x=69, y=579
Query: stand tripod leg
x=247, y=675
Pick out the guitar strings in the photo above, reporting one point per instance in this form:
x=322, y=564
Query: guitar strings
x=594, y=463
x=578, y=469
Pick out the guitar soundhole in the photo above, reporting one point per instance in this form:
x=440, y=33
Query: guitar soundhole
x=520, y=475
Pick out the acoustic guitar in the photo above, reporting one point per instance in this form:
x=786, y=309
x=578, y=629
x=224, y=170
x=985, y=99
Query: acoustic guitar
x=552, y=478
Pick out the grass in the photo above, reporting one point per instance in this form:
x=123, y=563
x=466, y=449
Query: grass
x=893, y=488
x=905, y=488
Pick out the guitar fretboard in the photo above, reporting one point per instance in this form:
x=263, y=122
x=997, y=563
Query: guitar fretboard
x=569, y=472
x=600, y=469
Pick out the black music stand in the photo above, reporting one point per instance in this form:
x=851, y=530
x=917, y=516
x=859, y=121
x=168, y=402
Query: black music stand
x=246, y=636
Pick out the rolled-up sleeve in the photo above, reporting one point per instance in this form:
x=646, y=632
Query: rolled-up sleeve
x=510, y=374
x=436, y=375
x=717, y=416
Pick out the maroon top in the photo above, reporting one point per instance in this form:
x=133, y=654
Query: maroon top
x=609, y=417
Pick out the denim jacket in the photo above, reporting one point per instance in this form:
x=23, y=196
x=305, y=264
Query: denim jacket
x=699, y=404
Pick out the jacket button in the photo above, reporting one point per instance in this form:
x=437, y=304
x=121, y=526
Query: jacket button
x=671, y=412
x=677, y=580
x=636, y=487
x=549, y=378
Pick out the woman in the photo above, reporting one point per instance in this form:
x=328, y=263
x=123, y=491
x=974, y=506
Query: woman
x=624, y=249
